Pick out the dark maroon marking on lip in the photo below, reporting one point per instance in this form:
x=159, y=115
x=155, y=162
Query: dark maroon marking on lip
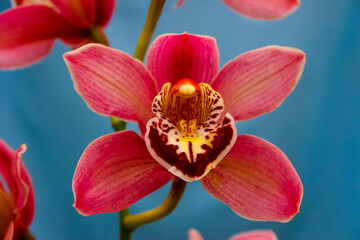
x=221, y=140
x=214, y=115
x=191, y=152
x=226, y=121
x=217, y=108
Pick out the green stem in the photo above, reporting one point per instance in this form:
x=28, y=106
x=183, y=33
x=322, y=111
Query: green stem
x=117, y=124
x=98, y=36
x=125, y=234
x=132, y=222
x=152, y=18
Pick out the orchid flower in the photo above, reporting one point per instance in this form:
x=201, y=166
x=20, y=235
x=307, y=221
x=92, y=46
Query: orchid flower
x=252, y=235
x=261, y=9
x=17, y=205
x=187, y=126
x=29, y=29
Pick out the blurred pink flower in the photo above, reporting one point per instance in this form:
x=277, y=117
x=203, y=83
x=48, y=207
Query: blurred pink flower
x=187, y=125
x=252, y=235
x=29, y=29
x=261, y=9
x=17, y=205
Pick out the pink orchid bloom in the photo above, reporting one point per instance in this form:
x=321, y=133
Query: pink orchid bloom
x=186, y=126
x=252, y=235
x=261, y=9
x=29, y=29
x=17, y=206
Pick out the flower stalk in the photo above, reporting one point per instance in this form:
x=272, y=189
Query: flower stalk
x=152, y=18
x=132, y=222
x=98, y=36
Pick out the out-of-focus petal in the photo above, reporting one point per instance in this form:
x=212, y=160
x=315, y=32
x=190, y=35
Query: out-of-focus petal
x=26, y=212
x=31, y=29
x=80, y=13
x=115, y=171
x=18, y=180
x=179, y=3
x=255, y=235
x=30, y=24
x=24, y=55
x=172, y=57
x=30, y=2
x=104, y=11
x=257, y=181
x=112, y=83
x=10, y=232
x=6, y=212
x=258, y=81
x=263, y=9
x=194, y=235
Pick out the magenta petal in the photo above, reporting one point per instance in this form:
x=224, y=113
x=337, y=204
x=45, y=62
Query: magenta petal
x=115, y=171
x=255, y=235
x=18, y=180
x=79, y=13
x=194, y=235
x=258, y=81
x=27, y=34
x=104, y=11
x=179, y=3
x=257, y=181
x=172, y=57
x=263, y=9
x=24, y=55
x=23, y=25
x=10, y=232
x=28, y=2
x=112, y=83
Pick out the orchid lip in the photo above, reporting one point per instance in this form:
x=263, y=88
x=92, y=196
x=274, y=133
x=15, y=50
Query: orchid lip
x=189, y=135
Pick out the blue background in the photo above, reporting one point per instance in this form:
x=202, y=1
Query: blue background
x=318, y=126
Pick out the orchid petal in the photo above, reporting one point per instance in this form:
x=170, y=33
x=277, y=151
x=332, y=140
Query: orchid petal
x=80, y=13
x=112, y=83
x=263, y=9
x=179, y=3
x=104, y=11
x=30, y=24
x=24, y=55
x=19, y=183
x=6, y=212
x=194, y=235
x=258, y=81
x=255, y=235
x=172, y=57
x=257, y=181
x=30, y=2
x=27, y=34
x=115, y=171
x=10, y=232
